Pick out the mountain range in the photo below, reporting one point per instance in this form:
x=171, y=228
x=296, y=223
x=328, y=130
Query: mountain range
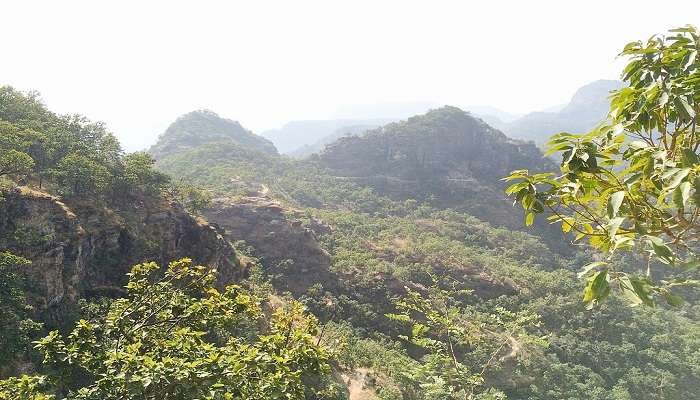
x=587, y=107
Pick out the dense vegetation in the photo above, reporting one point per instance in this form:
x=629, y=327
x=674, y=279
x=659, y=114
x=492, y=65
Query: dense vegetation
x=382, y=247
x=176, y=336
x=631, y=184
x=68, y=155
x=424, y=289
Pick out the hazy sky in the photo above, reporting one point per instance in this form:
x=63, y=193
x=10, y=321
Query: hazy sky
x=138, y=65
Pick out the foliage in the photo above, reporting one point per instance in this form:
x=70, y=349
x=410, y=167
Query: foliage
x=176, y=336
x=454, y=336
x=68, y=154
x=192, y=197
x=15, y=163
x=16, y=327
x=79, y=175
x=139, y=173
x=24, y=388
x=631, y=184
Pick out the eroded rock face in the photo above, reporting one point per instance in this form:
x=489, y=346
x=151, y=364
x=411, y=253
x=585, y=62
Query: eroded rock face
x=280, y=239
x=83, y=251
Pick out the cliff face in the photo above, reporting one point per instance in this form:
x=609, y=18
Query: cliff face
x=81, y=250
x=283, y=244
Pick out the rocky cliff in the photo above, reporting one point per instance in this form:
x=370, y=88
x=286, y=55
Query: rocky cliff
x=284, y=245
x=84, y=250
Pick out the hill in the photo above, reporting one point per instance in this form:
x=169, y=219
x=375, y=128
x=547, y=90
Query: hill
x=203, y=126
x=446, y=156
x=83, y=212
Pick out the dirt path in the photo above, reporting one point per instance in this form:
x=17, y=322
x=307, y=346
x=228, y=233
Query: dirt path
x=356, y=386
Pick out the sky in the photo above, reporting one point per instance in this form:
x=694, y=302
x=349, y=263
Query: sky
x=137, y=65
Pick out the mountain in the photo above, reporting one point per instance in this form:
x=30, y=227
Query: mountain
x=491, y=115
x=588, y=106
x=446, y=155
x=203, y=126
x=295, y=135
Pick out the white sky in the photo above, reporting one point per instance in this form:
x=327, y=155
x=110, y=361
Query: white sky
x=138, y=65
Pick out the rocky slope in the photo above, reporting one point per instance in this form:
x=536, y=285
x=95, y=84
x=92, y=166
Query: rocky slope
x=276, y=233
x=203, y=126
x=83, y=250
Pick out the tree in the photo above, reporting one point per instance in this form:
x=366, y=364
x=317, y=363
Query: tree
x=79, y=175
x=16, y=327
x=139, y=172
x=15, y=163
x=177, y=337
x=633, y=182
x=461, y=343
x=193, y=198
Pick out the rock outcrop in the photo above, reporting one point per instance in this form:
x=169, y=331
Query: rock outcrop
x=83, y=250
x=281, y=241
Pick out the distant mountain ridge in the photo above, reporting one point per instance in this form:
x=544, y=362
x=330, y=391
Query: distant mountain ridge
x=315, y=148
x=295, y=135
x=588, y=106
x=203, y=126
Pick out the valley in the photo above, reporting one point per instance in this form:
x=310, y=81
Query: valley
x=442, y=255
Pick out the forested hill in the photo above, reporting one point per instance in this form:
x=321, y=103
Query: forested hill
x=446, y=156
x=445, y=143
x=203, y=126
x=83, y=213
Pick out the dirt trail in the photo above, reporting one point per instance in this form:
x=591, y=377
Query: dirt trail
x=356, y=386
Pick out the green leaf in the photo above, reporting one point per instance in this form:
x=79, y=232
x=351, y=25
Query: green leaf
x=690, y=158
x=681, y=194
x=614, y=203
x=529, y=218
x=588, y=267
x=677, y=177
x=672, y=299
x=597, y=288
x=662, y=251
x=613, y=226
